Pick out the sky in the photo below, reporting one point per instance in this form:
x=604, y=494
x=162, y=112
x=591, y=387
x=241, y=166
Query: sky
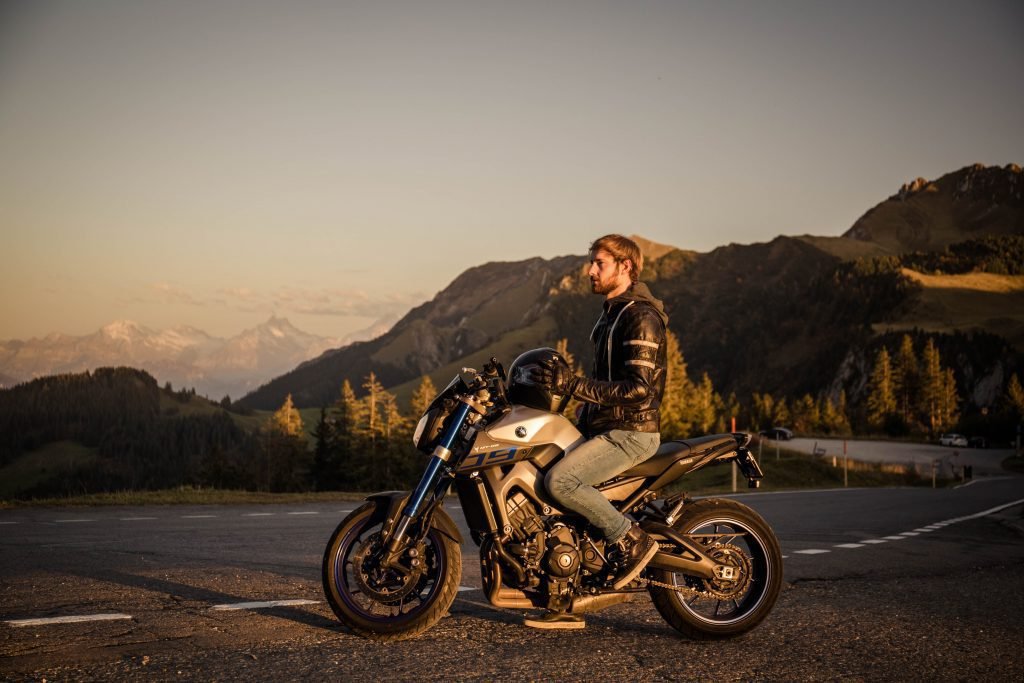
x=213, y=163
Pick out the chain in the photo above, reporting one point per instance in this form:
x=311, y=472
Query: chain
x=682, y=589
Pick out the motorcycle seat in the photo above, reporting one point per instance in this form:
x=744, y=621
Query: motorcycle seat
x=671, y=452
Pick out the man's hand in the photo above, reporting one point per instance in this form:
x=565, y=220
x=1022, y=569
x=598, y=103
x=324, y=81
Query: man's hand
x=559, y=378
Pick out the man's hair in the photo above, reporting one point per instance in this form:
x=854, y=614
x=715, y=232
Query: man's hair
x=622, y=249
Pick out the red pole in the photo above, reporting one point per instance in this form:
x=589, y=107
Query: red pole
x=733, y=423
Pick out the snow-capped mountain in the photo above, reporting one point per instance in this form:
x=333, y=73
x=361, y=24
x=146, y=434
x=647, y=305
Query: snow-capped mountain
x=184, y=356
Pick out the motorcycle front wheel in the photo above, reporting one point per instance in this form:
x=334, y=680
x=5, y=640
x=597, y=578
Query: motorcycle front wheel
x=726, y=606
x=385, y=604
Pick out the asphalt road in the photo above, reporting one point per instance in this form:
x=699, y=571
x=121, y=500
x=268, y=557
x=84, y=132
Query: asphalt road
x=882, y=584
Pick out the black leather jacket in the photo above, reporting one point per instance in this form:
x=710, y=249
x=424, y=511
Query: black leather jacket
x=626, y=386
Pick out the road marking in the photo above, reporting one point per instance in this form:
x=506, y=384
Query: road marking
x=134, y=519
x=258, y=514
x=811, y=551
x=850, y=545
x=197, y=516
x=910, y=533
x=261, y=605
x=67, y=620
x=303, y=513
x=72, y=521
x=894, y=538
x=924, y=530
x=873, y=541
x=8, y=522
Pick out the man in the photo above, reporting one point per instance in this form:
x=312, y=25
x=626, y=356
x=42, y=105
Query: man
x=620, y=417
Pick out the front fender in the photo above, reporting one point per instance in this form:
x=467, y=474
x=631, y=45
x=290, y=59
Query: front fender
x=389, y=507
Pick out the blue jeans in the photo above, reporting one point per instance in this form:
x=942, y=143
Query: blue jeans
x=571, y=481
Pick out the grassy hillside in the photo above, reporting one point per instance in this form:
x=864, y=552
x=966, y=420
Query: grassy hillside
x=973, y=301
x=35, y=469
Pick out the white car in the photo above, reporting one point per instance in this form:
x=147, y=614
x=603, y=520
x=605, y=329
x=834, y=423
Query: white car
x=955, y=440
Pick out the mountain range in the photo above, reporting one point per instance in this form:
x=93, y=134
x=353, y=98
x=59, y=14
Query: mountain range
x=794, y=315
x=184, y=356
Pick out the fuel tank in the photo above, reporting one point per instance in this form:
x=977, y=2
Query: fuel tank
x=521, y=434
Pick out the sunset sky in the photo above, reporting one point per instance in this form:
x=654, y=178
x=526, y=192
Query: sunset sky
x=212, y=163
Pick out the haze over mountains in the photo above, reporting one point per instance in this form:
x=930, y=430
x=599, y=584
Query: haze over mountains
x=185, y=356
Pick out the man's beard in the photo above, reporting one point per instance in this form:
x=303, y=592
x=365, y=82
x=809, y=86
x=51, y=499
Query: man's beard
x=601, y=287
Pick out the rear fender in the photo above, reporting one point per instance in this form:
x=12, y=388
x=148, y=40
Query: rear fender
x=388, y=510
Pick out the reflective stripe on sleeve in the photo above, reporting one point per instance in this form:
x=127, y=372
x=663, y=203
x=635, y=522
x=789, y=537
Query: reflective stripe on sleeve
x=641, y=342
x=644, y=363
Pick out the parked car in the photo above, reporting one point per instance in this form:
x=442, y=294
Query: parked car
x=977, y=442
x=955, y=440
x=777, y=434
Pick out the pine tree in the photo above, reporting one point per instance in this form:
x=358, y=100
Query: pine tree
x=374, y=426
x=932, y=387
x=806, y=415
x=762, y=411
x=422, y=397
x=1015, y=395
x=325, y=474
x=881, y=399
x=706, y=405
x=781, y=415
x=948, y=411
x=677, y=399
x=287, y=419
x=348, y=444
x=905, y=379
x=284, y=457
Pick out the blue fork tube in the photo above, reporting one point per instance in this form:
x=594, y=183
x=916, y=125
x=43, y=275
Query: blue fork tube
x=431, y=477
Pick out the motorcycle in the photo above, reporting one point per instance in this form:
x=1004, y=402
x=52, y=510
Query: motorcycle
x=392, y=567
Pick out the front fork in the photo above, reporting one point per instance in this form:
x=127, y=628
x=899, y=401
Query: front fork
x=431, y=487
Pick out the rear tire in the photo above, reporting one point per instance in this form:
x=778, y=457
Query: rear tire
x=384, y=605
x=736, y=536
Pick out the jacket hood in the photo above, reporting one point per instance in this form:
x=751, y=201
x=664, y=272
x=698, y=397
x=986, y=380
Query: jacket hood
x=639, y=292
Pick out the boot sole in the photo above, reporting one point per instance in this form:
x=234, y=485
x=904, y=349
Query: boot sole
x=644, y=561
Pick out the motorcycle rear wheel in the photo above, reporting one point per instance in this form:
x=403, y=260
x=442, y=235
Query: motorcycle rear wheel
x=384, y=605
x=736, y=536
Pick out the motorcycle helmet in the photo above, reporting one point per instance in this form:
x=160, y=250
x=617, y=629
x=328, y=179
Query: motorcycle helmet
x=523, y=391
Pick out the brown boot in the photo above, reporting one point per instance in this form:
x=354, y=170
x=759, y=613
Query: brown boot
x=637, y=550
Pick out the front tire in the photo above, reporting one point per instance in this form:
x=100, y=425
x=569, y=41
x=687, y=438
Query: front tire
x=735, y=536
x=384, y=604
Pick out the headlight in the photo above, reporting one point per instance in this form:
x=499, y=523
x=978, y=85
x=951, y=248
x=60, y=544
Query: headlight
x=420, y=426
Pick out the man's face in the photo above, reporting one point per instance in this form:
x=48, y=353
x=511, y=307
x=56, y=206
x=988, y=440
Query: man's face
x=607, y=276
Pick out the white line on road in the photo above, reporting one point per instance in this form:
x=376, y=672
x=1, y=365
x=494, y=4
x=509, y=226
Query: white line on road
x=67, y=620
x=873, y=541
x=811, y=551
x=850, y=545
x=258, y=514
x=467, y=588
x=8, y=522
x=261, y=605
x=895, y=538
x=910, y=533
x=197, y=516
x=134, y=519
x=303, y=513
x=72, y=521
